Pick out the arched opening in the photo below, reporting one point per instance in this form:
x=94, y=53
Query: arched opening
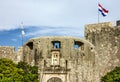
x=54, y=79
x=79, y=45
x=30, y=45
x=29, y=53
x=56, y=44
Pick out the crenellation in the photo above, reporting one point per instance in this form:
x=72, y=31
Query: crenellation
x=10, y=53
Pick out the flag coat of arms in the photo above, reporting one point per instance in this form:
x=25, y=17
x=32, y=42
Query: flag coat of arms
x=103, y=11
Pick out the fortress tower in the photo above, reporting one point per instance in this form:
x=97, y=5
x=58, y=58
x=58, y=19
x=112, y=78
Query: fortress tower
x=61, y=59
x=106, y=39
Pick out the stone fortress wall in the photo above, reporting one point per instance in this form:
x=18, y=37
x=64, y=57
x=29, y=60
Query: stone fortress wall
x=106, y=39
x=73, y=64
x=10, y=53
x=92, y=57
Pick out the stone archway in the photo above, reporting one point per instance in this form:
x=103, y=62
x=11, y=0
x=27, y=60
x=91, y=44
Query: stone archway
x=54, y=79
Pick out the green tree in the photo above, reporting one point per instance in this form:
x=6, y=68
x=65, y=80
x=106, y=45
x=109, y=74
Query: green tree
x=30, y=72
x=21, y=72
x=112, y=76
x=9, y=72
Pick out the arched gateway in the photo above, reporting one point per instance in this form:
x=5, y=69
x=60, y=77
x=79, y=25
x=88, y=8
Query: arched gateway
x=54, y=79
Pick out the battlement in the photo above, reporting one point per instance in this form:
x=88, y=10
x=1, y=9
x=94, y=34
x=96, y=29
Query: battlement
x=97, y=27
x=94, y=32
x=104, y=24
x=100, y=26
x=7, y=50
x=10, y=53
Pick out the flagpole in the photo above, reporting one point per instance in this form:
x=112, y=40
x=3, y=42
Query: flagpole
x=22, y=39
x=98, y=14
x=22, y=32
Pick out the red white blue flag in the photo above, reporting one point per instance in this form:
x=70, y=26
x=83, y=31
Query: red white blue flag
x=103, y=11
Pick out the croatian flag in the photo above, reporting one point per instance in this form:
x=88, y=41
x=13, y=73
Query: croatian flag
x=103, y=11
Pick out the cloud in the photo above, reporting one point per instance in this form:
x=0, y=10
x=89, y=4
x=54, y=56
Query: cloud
x=55, y=13
x=7, y=28
x=54, y=31
x=65, y=13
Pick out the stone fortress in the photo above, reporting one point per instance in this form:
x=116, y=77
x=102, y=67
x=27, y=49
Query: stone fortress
x=72, y=59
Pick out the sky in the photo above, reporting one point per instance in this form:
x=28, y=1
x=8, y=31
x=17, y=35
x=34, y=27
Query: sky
x=51, y=18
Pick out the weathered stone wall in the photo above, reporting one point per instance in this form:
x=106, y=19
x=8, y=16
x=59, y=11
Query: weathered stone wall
x=9, y=53
x=80, y=61
x=19, y=54
x=106, y=39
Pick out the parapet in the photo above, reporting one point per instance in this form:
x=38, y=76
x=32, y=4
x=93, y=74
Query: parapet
x=89, y=28
x=106, y=26
x=10, y=53
x=5, y=49
x=7, y=52
x=99, y=25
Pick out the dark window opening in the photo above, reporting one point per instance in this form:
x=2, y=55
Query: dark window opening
x=56, y=44
x=30, y=45
x=78, y=45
